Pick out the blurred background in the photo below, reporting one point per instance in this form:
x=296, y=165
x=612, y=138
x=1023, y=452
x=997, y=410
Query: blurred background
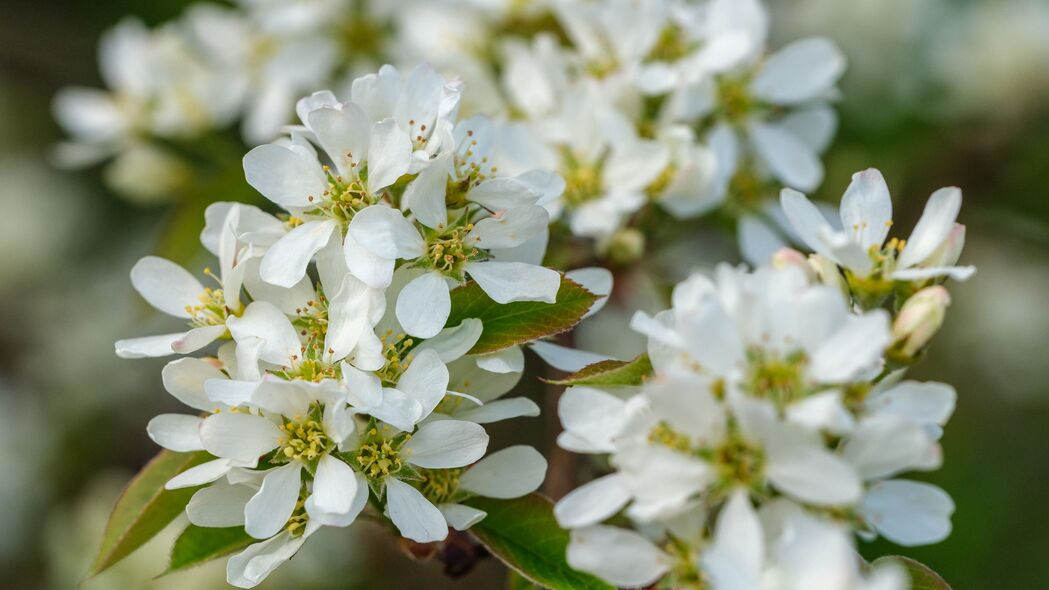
x=938, y=92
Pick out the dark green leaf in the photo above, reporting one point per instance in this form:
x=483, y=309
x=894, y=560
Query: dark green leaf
x=145, y=507
x=197, y=545
x=610, y=372
x=523, y=321
x=922, y=578
x=524, y=535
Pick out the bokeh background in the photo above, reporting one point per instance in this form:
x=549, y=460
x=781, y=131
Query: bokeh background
x=938, y=92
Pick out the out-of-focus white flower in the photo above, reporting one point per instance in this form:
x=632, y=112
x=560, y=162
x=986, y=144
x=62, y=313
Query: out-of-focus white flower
x=860, y=247
x=157, y=85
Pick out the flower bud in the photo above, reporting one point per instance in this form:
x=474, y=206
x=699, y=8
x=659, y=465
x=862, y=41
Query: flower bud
x=788, y=257
x=626, y=246
x=919, y=320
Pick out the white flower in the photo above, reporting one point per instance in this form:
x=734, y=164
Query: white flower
x=174, y=291
x=866, y=216
x=452, y=252
x=786, y=549
x=158, y=85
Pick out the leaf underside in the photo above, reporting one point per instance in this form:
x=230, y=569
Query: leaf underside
x=610, y=373
x=508, y=324
x=145, y=507
x=524, y=535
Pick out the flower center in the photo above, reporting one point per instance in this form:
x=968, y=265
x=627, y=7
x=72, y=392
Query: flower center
x=671, y=45
x=379, y=457
x=582, y=180
x=343, y=198
x=395, y=348
x=777, y=378
x=211, y=309
x=440, y=485
x=663, y=434
x=738, y=462
x=449, y=250
x=734, y=100
x=305, y=440
x=297, y=523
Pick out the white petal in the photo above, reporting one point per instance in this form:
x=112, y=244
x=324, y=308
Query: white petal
x=269, y=510
x=364, y=388
x=425, y=380
x=886, y=444
x=563, y=358
x=925, y=403
x=264, y=321
x=166, y=285
x=592, y=415
x=800, y=72
x=791, y=160
x=375, y=271
x=757, y=241
x=250, y=567
x=821, y=411
x=176, y=432
x=510, y=228
x=808, y=472
x=283, y=176
x=909, y=513
x=197, y=338
x=502, y=409
x=505, y=192
x=147, y=346
x=620, y=557
x=238, y=436
x=397, y=409
x=737, y=556
x=425, y=196
x=509, y=473
x=866, y=208
x=856, y=347
x=389, y=155
x=452, y=343
x=506, y=282
x=446, y=444
x=285, y=262
x=344, y=134
x=413, y=514
x=935, y=225
x=461, y=517
x=359, y=500
x=958, y=273
x=199, y=475
x=347, y=318
x=592, y=502
x=334, y=486
x=219, y=505
x=805, y=218
x=508, y=360
x=423, y=306
x=386, y=232
x=230, y=392
x=185, y=378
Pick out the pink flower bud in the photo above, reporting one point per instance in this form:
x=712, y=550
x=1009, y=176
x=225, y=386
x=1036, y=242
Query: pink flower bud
x=920, y=319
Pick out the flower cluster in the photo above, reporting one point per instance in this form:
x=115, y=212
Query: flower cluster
x=343, y=390
x=777, y=421
x=639, y=105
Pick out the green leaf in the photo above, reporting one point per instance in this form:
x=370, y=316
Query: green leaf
x=145, y=507
x=610, y=372
x=197, y=545
x=523, y=534
x=523, y=321
x=922, y=578
x=515, y=581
